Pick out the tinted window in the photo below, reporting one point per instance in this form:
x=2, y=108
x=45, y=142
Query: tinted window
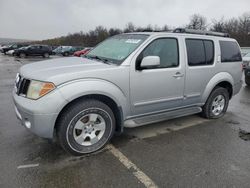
x=200, y=52
x=209, y=50
x=166, y=49
x=33, y=47
x=230, y=51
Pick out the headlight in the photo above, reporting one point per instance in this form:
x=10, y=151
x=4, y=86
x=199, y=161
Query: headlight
x=38, y=89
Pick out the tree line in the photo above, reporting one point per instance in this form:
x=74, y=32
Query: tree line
x=238, y=28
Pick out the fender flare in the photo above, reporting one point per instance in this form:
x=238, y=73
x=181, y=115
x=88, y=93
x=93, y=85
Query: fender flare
x=218, y=78
x=80, y=88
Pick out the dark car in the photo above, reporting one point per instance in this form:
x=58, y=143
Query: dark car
x=247, y=74
x=34, y=50
x=12, y=47
x=70, y=50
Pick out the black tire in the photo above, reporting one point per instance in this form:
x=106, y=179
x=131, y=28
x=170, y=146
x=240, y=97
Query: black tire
x=208, y=107
x=247, y=80
x=22, y=55
x=66, y=54
x=46, y=55
x=66, y=131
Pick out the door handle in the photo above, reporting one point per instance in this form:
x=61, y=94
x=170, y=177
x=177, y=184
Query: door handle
x=178, y=75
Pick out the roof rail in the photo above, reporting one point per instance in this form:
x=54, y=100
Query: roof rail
x=200, y=32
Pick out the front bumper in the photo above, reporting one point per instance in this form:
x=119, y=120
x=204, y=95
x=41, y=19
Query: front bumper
x=39, y=116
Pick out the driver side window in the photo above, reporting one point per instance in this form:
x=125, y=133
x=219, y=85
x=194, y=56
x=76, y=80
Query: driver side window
x=165, y=48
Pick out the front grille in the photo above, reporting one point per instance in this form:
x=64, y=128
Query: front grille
x=22, y=85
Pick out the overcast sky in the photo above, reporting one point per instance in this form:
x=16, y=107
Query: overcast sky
x=42, y=19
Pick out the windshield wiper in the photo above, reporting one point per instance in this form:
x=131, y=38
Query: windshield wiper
x=106, y=61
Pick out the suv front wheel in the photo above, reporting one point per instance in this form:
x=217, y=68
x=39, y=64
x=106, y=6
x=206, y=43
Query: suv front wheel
x=85, y=127
x=217, y=103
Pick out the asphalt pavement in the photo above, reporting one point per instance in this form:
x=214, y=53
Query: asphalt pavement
x=185, y=152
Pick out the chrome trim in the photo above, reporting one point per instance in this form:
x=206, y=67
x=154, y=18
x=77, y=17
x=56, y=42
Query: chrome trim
x=143, y=103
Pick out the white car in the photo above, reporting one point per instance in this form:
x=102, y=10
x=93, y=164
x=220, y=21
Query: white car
x=10, y=52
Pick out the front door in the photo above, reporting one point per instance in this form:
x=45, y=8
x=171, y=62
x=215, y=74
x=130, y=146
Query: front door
x=160, y=88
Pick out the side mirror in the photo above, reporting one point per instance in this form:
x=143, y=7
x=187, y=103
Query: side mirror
x=150, y=62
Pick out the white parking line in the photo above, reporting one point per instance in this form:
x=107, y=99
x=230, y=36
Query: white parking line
x=141, y=176
x=28, y=166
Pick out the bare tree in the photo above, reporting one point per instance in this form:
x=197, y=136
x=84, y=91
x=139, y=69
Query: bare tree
x=218, y=25
x=129, y=28
x=165, y=28
x=197, y=21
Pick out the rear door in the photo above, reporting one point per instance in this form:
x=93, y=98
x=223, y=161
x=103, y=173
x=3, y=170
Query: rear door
x=200, y=69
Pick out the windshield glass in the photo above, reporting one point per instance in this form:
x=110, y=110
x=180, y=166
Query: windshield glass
x=66, y=47
x=117, y=48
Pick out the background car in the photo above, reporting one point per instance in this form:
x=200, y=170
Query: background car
x=70, y=50
x=2, y=46
x=34, y=50
x=247, y=74
x=82, y=52
x=10, y=52
x=12, y=47
x=246, y=60
x=59, y=49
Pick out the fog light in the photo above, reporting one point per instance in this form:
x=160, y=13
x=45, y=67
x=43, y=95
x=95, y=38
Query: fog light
x=27, y=124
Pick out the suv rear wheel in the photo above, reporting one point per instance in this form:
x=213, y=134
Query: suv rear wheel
x=85, y=127
x=217, y=103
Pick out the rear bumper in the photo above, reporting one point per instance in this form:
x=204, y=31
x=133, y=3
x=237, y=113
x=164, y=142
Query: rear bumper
x=237, y=87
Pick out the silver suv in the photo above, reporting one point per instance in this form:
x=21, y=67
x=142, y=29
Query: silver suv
x=126, y=81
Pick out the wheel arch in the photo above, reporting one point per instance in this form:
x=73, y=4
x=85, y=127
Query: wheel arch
x=117, y=110
x=222, y=79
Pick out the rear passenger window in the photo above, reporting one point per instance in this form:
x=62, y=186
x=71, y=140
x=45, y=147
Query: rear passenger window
x=200, y=52
x=230, y=51
x=209, y=50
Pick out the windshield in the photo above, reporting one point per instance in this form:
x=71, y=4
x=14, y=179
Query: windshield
x=117, y=48
x=66, y=47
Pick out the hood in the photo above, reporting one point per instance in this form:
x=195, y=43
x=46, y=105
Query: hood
x=62, y=70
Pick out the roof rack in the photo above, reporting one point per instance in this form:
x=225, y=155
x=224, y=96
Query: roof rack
x=200, y=32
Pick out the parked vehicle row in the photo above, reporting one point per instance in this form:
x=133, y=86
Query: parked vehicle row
x=22, y=50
